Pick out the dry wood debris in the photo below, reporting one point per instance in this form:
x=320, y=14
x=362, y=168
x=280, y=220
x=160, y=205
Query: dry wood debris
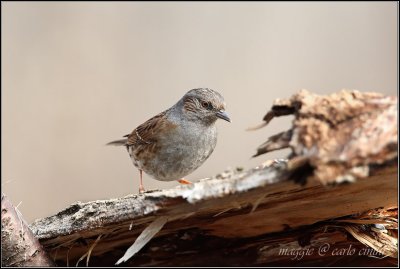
x=340, y=135
x=19, y=246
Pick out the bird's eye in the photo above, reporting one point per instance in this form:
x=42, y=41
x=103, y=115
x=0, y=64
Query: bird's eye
x=206, y=105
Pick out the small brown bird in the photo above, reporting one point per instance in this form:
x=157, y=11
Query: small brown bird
x=177, y=141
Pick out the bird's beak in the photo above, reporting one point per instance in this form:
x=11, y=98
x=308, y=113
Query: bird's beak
x=223, y=115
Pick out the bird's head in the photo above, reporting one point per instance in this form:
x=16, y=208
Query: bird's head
x=204, y=105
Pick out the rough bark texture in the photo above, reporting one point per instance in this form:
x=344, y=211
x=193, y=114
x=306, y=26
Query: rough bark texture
x=19, y=247
x=340, y=136
x=324, y=243
x=261, y=216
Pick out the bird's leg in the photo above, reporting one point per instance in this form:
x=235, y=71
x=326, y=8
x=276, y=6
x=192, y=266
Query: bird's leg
x=184, y=181
x=141, y=188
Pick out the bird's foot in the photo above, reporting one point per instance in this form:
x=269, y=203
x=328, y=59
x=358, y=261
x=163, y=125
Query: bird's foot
x=184, y=181
x=141, y=189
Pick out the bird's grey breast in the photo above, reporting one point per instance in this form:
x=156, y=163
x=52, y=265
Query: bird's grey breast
x=185, y=149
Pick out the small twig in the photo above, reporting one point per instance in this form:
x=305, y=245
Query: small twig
x=91, y=249
x=256, y=203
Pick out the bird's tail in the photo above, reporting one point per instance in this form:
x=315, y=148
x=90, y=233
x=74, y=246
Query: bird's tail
x=120, y=142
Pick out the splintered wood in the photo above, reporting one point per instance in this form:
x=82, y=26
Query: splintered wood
x=261, y=216
x=19, y=247
x=340, y=135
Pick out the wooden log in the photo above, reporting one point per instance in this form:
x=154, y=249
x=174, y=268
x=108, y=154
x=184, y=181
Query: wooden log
x=324, y=244
x=264, y=209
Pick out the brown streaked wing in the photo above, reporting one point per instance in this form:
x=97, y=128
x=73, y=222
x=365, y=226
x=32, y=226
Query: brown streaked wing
x=149, y=131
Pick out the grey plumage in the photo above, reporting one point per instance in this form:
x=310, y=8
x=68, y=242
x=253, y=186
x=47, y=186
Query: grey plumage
x=177, y=141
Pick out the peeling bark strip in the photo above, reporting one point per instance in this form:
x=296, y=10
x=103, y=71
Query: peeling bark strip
x=340, y=135
x=19, y=247
x=144, y=238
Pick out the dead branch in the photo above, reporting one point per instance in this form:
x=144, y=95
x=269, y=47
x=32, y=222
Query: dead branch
x=340, y=135
x=19, y=246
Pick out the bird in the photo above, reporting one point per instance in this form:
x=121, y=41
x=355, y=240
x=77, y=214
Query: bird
x=177, y=141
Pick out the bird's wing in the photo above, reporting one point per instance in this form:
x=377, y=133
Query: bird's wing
x=149, y=132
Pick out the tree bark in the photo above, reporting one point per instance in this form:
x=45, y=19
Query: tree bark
x=19, y=245
x=274, y=207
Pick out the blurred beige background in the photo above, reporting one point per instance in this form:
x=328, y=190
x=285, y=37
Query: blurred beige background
x=77, y=75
